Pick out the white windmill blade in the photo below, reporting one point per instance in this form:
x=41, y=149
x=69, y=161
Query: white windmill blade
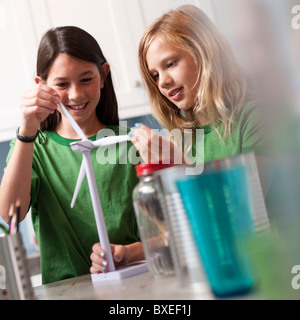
x=73, y=122
x=110, y=140
x=100, y=222
x=80, y=178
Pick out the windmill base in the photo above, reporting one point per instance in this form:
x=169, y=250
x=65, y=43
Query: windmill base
x=123, y=272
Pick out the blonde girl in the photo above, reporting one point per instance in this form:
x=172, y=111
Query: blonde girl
x=194, y=81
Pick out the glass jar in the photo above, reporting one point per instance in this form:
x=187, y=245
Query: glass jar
x=151, y=223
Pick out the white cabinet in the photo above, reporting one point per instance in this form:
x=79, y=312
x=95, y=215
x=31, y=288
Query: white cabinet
x=116, y=24
x=16, y=73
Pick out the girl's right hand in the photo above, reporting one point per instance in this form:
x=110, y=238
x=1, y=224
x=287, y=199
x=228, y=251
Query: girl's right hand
x=99, y=264
x=36, y=104
x=153, y=147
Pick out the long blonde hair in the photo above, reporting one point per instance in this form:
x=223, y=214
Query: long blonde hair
x=222, y=86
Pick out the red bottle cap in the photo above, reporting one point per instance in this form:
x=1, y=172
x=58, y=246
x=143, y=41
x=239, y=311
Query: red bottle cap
x=146, y=168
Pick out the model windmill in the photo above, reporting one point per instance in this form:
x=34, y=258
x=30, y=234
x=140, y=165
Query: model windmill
x=85, y=146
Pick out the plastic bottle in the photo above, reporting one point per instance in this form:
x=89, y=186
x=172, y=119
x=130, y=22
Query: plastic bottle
x=151, y=221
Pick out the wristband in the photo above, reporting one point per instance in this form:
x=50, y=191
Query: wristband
x=30, y=139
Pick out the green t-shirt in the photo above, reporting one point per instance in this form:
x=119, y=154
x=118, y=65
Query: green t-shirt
x=65, y=235
x=247, y=135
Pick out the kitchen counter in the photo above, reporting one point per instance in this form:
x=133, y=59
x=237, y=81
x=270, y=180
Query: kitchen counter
x=140, y=287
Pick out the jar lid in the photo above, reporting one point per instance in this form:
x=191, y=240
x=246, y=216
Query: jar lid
x=146, y=168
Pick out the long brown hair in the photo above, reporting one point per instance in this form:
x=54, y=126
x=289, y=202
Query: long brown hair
x=223, y=86
x=79, y=44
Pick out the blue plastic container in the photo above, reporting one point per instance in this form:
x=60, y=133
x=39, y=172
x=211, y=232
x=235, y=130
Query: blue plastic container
x=219, y=210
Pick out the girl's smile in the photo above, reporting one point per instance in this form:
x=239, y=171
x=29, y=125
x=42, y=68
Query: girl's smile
x=175, y=94
x=78, y=107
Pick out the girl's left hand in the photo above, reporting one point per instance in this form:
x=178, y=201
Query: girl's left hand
x=100, y=264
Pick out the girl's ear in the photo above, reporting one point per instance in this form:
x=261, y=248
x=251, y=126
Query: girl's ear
x=37, y=79
x=106, y=69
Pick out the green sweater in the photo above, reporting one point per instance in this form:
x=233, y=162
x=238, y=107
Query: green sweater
x=66, y=236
